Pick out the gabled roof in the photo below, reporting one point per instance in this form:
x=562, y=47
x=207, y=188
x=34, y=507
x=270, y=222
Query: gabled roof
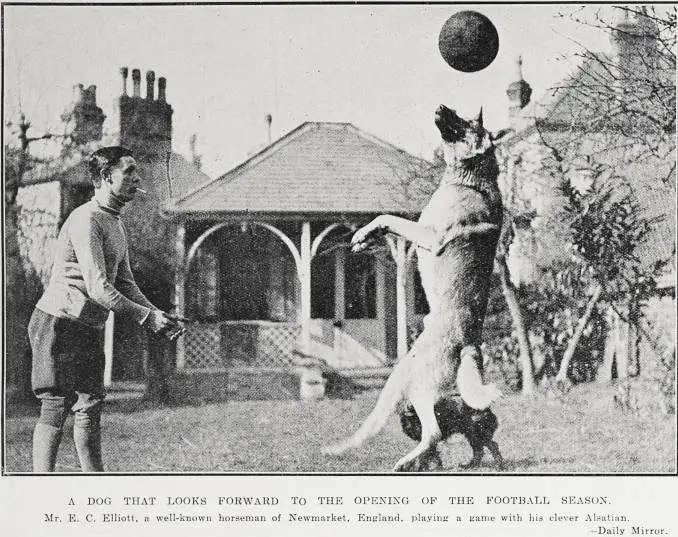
x=584, y=99
x=315, y=168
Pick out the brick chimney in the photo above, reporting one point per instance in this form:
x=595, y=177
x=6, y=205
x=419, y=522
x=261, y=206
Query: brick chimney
x=519, y=93
x=145, y=123
x=86, y=117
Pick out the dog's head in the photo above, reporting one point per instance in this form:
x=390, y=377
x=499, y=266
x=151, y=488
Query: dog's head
x=465, y=139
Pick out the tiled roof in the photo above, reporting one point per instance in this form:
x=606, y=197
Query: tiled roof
x=583, y=99
x=570, y=100
x=316, y=168
x=569, y=103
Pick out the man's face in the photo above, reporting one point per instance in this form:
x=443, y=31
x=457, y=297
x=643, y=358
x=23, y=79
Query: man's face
x=124, y=179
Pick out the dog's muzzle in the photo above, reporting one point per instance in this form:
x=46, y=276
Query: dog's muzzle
x=452, y=128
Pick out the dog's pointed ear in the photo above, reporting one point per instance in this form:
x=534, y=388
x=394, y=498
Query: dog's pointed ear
x=500, y=134
x=479, y=118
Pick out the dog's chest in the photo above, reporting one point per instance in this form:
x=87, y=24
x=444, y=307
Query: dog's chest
x=439, y=212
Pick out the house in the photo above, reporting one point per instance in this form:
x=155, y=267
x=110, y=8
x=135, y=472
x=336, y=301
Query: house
x=50, y=192
x=613, y=131
x=266, y=272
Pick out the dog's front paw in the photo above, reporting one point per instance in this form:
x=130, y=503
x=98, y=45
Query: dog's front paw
x=365, y=235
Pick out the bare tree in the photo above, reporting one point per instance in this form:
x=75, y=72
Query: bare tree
x=512, y=297
x=19, y=161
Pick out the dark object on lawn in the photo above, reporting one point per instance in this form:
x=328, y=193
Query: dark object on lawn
x=455, y=416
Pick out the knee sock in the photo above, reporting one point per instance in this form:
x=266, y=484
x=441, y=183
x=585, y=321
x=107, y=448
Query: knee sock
x=54, y=410
x=46, y=440
x=87, y=438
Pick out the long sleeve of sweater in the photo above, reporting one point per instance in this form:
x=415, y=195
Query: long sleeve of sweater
x=88, y=245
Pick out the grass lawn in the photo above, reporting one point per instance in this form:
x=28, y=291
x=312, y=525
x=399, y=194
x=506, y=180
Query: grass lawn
x=582, y=434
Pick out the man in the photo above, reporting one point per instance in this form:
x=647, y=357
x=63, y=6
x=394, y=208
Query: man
x=91, y=276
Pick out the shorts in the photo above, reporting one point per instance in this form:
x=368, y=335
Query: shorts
x=68, y=356
x=74, y=401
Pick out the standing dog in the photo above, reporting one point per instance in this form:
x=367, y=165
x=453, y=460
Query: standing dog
x=454, y=416
x=456, y=238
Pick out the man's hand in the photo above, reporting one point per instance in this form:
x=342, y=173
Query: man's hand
x=160, y=323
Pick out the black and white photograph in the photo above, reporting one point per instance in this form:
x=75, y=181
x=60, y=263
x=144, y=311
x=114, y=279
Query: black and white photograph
x=340, y=239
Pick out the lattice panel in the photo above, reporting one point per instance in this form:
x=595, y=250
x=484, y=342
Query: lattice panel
x=239, y=344
x=275, y=344
x=202, y=347
x=245, y=344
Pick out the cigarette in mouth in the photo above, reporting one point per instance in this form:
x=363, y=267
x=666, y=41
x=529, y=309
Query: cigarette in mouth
x=141, y=190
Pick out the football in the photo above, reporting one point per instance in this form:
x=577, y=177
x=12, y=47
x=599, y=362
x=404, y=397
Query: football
x=468, y=41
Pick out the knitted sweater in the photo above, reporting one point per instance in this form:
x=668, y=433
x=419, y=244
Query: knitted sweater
x=91, y=273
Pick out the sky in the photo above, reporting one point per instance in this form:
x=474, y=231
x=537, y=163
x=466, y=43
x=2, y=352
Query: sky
x=227, y=67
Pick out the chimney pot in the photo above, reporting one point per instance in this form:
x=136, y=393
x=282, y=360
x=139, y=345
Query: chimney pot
x=78, y=93
x=86, y=117
x=136, y=80
x=162, y=85
x=124, y=71
x=519, y=68
x=150, y=81
x=269, y=120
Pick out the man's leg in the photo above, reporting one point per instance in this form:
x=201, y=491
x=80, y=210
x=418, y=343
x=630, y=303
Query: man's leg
x=87, y=431
x=47, y=434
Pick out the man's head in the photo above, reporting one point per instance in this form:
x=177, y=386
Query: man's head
x=115, y=170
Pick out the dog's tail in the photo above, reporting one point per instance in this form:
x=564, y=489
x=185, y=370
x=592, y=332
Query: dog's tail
x=390, y=396
x=470, y=384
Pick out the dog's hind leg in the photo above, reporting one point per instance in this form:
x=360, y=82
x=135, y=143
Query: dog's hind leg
x=430, y=433
x=470, y=383
x=494, y=449
x=432, y=460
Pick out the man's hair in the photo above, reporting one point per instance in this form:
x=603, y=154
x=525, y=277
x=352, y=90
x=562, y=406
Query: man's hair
x=101, y=161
